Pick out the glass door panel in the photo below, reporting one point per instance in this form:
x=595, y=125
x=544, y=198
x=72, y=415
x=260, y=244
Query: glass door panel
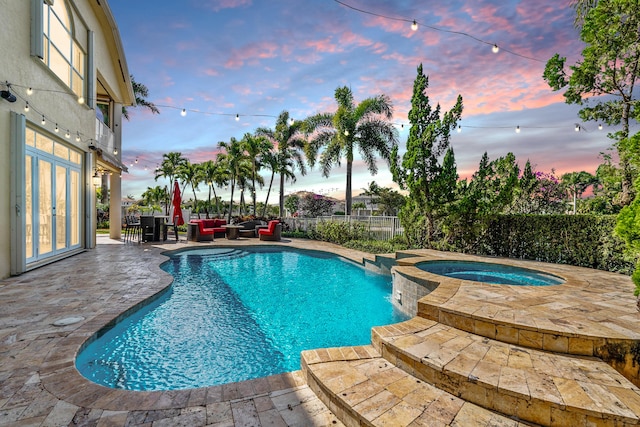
x=45, y=207
x=60, y=208
x=74, y=208
x=28, y=206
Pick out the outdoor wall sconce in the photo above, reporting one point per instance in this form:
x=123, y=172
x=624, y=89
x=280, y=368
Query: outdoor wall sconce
x=6, y=94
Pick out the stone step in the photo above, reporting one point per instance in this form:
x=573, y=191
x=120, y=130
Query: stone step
x=533, y=385
x=363, y=389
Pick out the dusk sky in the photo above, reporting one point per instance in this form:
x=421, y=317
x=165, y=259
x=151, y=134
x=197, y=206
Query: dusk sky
x=256, y=58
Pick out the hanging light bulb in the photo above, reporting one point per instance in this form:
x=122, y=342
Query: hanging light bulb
x=517, y=129
x=183, y=112
x=81, y=99
x=136, y=160
x=237, y=117
x=115, y=151
x=26, y=107
x=599, y=126
x=57, y=130
x=495, y=48
x=577, y=128
x=44, y=121
x=30, y=91
x=291, y=121
x=346, y=132
x=68, y=134
x=459, y=129
x=78, y=137
x=414, y=25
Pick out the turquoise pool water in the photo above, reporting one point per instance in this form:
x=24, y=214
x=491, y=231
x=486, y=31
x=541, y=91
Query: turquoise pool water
x=234, y=315
x=497, y=274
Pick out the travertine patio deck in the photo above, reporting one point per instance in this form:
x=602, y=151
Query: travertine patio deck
x=39, y=385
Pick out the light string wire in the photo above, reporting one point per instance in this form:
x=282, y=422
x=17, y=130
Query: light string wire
x=90, y=141
x=431, y=27
x=47, y=118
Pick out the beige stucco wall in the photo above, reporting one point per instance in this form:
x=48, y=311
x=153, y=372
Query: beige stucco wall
x=50, y=97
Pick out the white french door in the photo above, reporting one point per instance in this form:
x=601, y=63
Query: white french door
x=52, y=198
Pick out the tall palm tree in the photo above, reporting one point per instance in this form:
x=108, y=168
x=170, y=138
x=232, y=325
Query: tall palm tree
x=290, y=140
x=235, y=159
x=155, y=197
x=141, y=92
x=191, y=174
x=255, y=147
x=169, y=168
x=366, y=126
x=215, y=174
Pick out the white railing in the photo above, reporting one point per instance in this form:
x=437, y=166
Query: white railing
x=379, y=227
x=104, y=137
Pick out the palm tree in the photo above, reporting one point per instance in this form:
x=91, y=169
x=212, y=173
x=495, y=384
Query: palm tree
x=576, y=183
x=289, y=140
x=235, y=158
x=255, y=147
x=169, y=168
x=191, y=174
x=215, y=175
x=155, y=197
x=365, y=125
x=141, y=92
x=283, y=163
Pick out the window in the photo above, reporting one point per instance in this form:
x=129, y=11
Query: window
x=61, y=53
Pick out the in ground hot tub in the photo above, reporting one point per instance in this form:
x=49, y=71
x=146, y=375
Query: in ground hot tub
x=498, y=274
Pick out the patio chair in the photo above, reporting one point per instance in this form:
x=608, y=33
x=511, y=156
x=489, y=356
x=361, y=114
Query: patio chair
x=272, y=232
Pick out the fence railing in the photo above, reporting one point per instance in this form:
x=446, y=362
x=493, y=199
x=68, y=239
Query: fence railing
x=378, y=227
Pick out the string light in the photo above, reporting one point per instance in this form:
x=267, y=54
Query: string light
x=26, y=107
x=78, y=137
x=599, y=126
x=68, y=134
x=414, y=25
x=495, y=48
x=30, y=91
x=577, y=127
x=115, y=151
x=459, y=129
x=237, y=117
x=517, y=129
x=81, y=100
x=346, y=132
x=44, y=121
x=460, y=33
x=57, y=130
x=183, y=112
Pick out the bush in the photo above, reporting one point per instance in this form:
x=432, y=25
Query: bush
x=376, y=246
x=298, y=234
x=581, y=240
x=338, y=232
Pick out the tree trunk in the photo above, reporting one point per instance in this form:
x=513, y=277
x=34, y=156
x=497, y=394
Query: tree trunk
x=266, y=201
x=348, y=192
x=281, y=195
x=233, y=184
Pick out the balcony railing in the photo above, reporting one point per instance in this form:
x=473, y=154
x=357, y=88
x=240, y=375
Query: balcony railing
x=104, y=137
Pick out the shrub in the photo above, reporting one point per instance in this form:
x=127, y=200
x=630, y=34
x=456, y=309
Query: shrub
x=338, y=232
x=376, y=246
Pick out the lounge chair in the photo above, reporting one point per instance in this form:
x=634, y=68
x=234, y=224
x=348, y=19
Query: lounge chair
x=272, y=232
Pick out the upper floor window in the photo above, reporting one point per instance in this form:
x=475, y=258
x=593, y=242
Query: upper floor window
x=61, y=52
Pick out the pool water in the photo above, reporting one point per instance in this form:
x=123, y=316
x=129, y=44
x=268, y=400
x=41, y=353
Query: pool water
x=497, y=274
x=234, y=315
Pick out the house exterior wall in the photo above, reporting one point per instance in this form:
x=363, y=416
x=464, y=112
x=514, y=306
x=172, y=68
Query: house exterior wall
x=52, y=98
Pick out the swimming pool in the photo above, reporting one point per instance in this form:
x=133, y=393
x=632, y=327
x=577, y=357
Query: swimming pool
x=497, y=274
x=233, y=315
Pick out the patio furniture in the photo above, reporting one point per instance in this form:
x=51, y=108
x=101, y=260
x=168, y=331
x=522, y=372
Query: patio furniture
x=132, y=228
x=272, y=232
x=147, y=228
x=208, y=229
x=232, y=231
x=249, y=228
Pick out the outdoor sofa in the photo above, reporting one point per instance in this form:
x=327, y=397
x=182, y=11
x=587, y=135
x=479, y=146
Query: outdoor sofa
x=272, y=232
x=209, y=228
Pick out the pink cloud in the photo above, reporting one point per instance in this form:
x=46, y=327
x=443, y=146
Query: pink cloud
x=217, y=5
x=251, y=53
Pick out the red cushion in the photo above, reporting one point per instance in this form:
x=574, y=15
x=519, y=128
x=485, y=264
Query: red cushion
x=270, y=229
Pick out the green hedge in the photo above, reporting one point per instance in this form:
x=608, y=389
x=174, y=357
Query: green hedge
x=582, y=240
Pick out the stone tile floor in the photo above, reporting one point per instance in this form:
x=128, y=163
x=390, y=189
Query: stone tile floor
x=39, y=385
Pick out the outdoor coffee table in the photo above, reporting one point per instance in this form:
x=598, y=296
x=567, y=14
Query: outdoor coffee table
x=232, y=231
